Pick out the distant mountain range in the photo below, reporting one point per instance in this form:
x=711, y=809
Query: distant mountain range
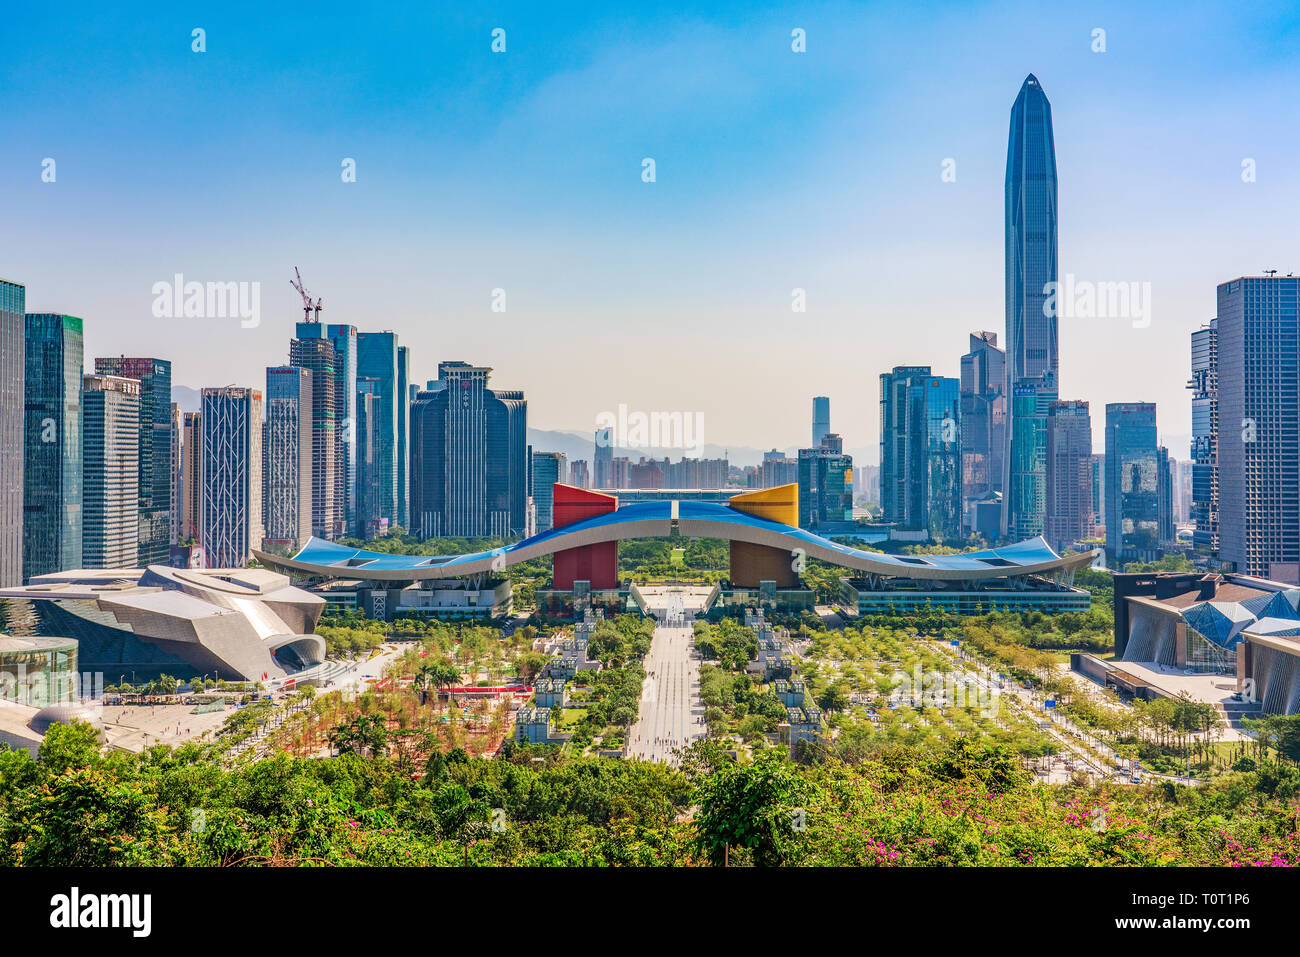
x=582, y=445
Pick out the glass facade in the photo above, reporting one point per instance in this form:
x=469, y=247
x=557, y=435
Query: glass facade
x=13, y=300
x=377, y=361
x=1133, y=483
x=38, y=671
x=825, y=487
x=1205, y=431
x=548, y=468
x=52, y=519
x=1031, y=269
x=1027, y=492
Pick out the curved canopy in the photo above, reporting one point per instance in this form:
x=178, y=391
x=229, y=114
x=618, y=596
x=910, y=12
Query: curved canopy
x=692, y=520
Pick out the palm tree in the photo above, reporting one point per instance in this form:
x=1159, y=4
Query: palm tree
x=421, y=682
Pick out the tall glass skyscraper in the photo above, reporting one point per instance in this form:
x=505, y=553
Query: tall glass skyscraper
x=379, y=359
x=1031, y=340
x=155, y=461
x=52, y=526
x=1258, y=444
x=1204, y=387
x=1069, y=474
x=983, y=421
x=603, y=460
x=311, y=350
x=13, y=304
x=231, y=521
x=821, y=419
x=920, y=451
x=548, y=468
x=287, y=454
x=1135, y=486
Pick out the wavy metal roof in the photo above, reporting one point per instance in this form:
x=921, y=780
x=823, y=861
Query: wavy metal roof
x=692, y=520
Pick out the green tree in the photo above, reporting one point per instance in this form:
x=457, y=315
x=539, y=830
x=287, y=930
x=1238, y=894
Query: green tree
x=750, y=806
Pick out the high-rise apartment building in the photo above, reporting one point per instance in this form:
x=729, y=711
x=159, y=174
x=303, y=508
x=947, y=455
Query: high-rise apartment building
x=1135, y=488
x=469, y=468
x=1257, y=385
x=920, y=451
x=579, y=474
x=821, y=419
x=776, y=469
x=52, y=470
x=13, y=372
x=983, y=422
x=287, y=456
x=110, y=461
x=230, y=523
x=1031, y=330
x=1069, y=516
x=155, y=463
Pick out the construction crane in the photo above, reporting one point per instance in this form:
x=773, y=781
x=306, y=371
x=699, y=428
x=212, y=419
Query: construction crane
x=310, y=309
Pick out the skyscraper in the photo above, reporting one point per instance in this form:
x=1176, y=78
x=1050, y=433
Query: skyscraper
x=191, y=477
x=177, y=430
x=983, y=422
x=328, y=460
x=579, y=476
x=1069, y=473
x=13, y=305
x=155, y=463
x=825, y=487
x=920, y=451
x=602, y=471
x=1031, y=343
x=230, y=525
x=378, y=359
x=821, y=419
x=110, y=457
x=1258, y=435
x=287, y=456
x=1133, y=483
x=403, y=436
x=469, y=468
x=369, y=520
x=548, y=468
x=1204, y=386
x=52, y=472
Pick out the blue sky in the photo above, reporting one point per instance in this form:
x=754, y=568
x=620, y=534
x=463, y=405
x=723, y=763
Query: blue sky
x=522, y=171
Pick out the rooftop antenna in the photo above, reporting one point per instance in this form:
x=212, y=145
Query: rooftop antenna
x=1270, y=272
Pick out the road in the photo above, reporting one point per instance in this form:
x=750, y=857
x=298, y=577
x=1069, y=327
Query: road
x=670, y=715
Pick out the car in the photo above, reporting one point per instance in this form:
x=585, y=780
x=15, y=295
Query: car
x=1135, y=779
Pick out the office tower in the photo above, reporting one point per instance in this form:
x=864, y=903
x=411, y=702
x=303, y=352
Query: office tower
x=368, y=477
x=155, y=465
x=833, y=441
x=579, y=475
x=230, y=523
x=287, y=456
x=1133, y=484
x=378, y=360
x=1098, y=492
x=328, y=460
x=344, y=340
x=13, y=306
x=920, y=451
x=602, y=475
x=52, y=474
x=1031, y=343
x=469, y=467
x=403, y=436
x=1165, y=502
x=825, y=488
x=983, y=422
x=110, y=461
x=1258, y=443
x=177, y=428
x=821, y=419
x=777, y=468
x=1027, y=493
x=1204, y=386
x=1069, y=473
x=548, y=468
x=191, y=506
x=1182, y=492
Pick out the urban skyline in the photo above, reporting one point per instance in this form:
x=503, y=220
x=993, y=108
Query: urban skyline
x=1101, y=100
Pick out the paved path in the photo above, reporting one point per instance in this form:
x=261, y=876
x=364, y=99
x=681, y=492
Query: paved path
x=670, y=715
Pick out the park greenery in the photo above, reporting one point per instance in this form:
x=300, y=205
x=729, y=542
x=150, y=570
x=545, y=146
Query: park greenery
x=965, y=803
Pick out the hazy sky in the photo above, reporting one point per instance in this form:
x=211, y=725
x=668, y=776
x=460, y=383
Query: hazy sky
x=522, y=171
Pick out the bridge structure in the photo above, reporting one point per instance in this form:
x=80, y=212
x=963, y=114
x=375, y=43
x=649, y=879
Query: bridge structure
x=767, y=552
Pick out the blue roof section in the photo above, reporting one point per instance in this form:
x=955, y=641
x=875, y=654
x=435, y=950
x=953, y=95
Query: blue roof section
x=332, y=555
